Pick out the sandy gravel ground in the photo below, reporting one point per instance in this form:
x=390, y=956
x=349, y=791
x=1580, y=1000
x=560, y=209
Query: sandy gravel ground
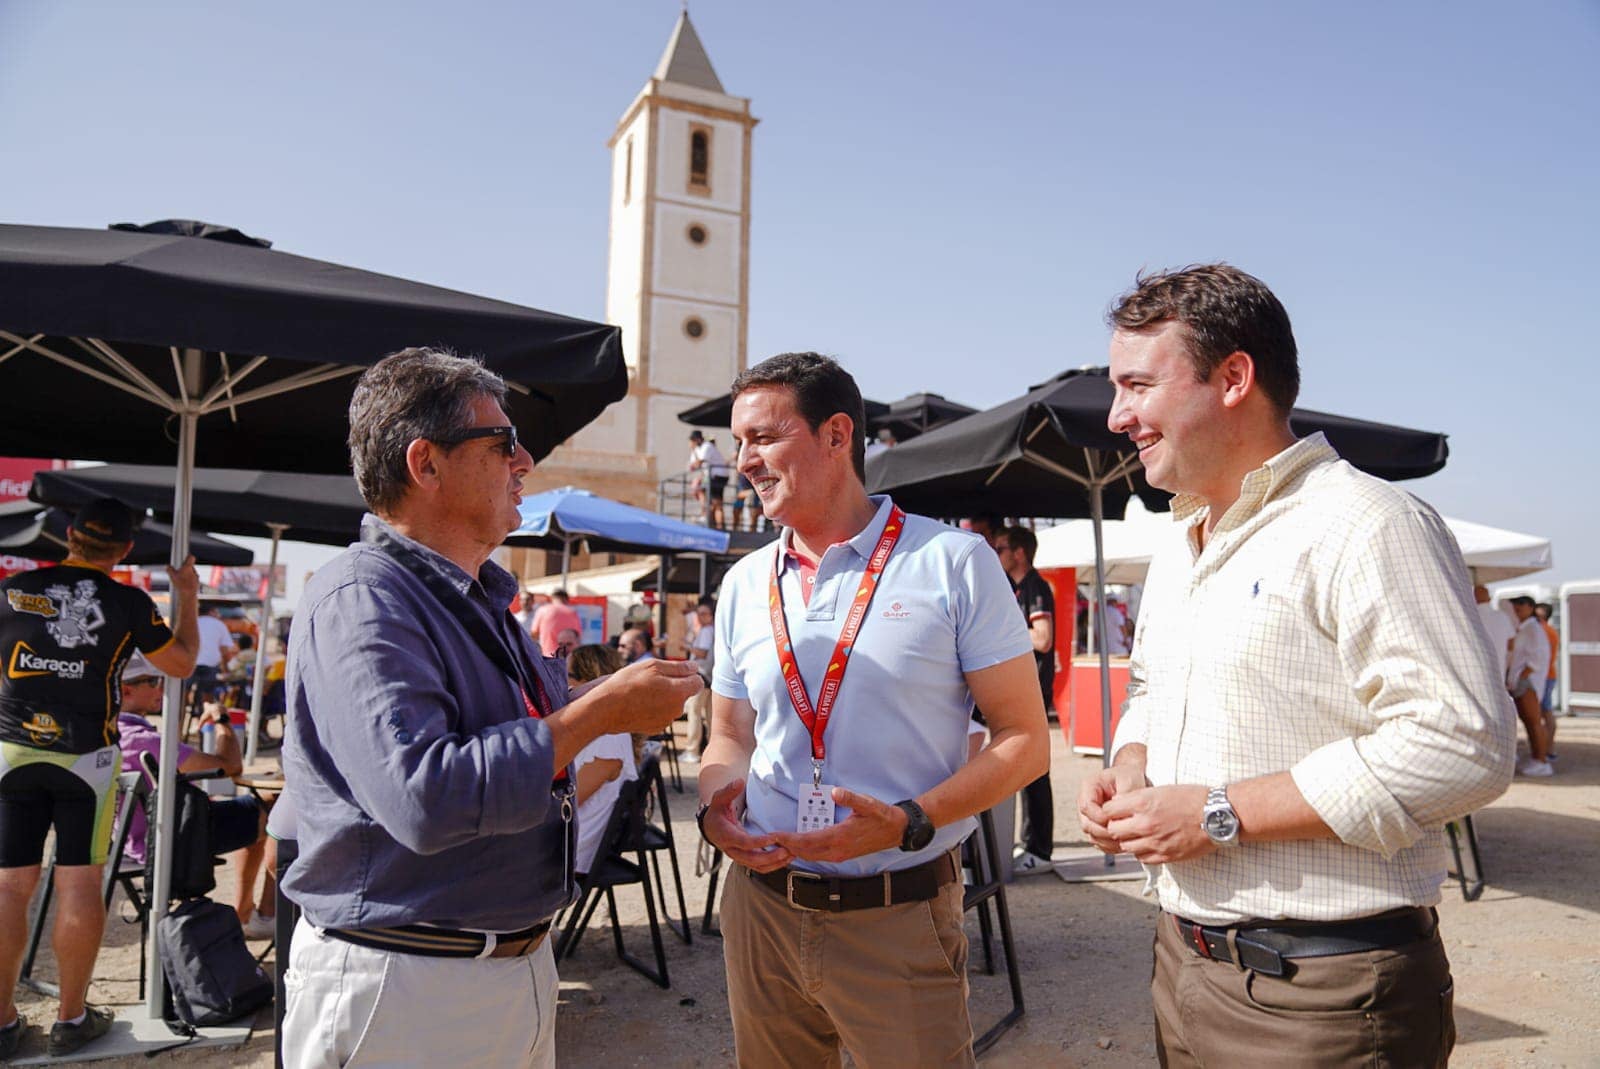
x=1526, y=955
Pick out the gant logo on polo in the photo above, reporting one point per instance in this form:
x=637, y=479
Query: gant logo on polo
x=896, y=611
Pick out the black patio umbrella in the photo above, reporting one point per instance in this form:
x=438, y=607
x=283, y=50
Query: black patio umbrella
x=1049, y=453
x=918, y=414
x=37, y=533
x=183, y=342
x=325, y=509
x=98, y=327
x=718, y=412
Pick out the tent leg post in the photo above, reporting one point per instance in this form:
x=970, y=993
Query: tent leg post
x=258, y=687
x=1097, y=512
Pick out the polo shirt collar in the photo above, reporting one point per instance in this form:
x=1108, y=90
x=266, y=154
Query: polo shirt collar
x=862, y=544
x=1273, y=479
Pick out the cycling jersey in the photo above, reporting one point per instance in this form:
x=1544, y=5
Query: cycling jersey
x=65, y=633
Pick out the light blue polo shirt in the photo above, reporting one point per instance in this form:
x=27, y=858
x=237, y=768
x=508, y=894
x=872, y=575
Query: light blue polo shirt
x=899, y=726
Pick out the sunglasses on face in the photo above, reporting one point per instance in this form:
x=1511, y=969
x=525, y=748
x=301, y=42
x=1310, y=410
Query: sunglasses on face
x=507, y=433
x=148, y=681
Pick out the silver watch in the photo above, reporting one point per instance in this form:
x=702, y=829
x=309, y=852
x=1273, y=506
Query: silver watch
x=1218, y=820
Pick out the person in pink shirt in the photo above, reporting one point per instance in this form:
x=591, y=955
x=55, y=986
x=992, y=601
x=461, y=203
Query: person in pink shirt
x=552, y=618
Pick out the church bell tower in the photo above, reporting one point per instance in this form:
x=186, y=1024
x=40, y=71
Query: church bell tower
x=678, y=272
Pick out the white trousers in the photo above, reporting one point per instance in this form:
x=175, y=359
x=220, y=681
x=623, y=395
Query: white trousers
x=347, y=1005
x=698, y=709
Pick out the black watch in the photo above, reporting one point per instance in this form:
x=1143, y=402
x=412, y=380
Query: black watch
x=919, y=829
x=700, y=818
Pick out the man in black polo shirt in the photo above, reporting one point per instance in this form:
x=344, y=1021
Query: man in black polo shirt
x=65, y=634
x=1015, y=547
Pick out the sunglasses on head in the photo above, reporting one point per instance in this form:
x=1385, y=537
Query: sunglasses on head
x=506, y=432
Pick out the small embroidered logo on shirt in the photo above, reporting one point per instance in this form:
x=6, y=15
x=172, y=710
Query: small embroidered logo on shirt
x=1255, y=590
x=896, y=612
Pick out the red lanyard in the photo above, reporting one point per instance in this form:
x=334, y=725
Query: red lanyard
x=539, y=712
x=816, y=719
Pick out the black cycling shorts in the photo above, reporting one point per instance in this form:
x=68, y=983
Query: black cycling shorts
x=36, y=793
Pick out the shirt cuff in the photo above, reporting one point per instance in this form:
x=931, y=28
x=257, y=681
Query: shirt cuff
x=1336, y=782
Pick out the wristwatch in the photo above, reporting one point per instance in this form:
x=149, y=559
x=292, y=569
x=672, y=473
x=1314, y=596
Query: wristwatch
x=700, y=818
x=919, y=829
x=1218, y=820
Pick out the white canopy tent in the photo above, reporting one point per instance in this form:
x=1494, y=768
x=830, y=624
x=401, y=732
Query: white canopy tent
x=1493, y=555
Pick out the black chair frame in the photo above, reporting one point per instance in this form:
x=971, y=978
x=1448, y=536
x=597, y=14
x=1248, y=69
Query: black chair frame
x=1473, y=883
x=986, y=887
x=624, y=834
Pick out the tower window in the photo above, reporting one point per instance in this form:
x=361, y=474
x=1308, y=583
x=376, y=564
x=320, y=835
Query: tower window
x=627, y=171
x=698, y=234
x=694, y=327
x=699, y=159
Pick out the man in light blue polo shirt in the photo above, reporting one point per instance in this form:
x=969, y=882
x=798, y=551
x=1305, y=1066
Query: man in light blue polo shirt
x=848, y=658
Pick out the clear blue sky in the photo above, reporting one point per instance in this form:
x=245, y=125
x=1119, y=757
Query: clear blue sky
x=946, y=196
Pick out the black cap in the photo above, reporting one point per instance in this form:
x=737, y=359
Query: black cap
x=107, y=520
x=696, y=436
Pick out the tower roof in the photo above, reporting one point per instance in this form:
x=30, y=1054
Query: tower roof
x=685, y=60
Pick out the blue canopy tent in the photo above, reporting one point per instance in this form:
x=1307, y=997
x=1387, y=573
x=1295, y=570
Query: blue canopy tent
x=562, y=517
x=567, y=515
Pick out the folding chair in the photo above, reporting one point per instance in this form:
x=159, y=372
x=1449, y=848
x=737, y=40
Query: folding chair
x=658, y=839
x=624, y=834
x=667, y=742
x=981, y=859
x=1473, y=883
x=714, y=869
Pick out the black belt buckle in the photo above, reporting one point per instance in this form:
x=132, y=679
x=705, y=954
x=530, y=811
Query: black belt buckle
x=1258, y=957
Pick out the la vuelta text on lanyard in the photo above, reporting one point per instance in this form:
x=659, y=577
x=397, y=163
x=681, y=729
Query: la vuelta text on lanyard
x=816, y=718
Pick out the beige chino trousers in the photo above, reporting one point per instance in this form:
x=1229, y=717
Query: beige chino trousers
x=888, y=984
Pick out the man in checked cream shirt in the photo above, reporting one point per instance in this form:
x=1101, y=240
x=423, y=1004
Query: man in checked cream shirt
x=1313, y=697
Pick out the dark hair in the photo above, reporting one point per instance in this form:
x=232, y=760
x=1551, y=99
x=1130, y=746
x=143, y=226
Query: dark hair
x=1023, y=539
x=592, y=662
x=411, y=394
x=94, y=550
x=1223, y=310
x=559, y=592
x=822, y=389
x=1522, y=599
x=246, y=642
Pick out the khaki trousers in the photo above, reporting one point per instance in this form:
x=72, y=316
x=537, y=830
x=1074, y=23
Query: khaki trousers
x=1390, y=1007
x=887, y=984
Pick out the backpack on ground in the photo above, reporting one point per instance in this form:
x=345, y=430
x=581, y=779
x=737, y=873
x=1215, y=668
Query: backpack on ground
x=211, y=976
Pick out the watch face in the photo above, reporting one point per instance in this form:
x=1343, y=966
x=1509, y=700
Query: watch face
x=1221, y=824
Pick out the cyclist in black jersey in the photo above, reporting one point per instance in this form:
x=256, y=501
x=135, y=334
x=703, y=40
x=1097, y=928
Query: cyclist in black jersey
x=65, y=634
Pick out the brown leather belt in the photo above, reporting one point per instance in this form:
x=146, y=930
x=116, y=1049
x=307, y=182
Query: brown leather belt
x=839, y=894
x=432, y=942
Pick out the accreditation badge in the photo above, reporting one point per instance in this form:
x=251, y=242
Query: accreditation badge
x=816, y=808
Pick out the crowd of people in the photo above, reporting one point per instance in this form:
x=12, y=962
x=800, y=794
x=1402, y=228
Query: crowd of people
x=1295, y=737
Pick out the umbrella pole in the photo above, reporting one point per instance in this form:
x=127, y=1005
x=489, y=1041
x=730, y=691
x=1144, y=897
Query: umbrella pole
x=566, y=558
x=661, y=595
x=258, y=687
x=1097, y=513
x=172, y=710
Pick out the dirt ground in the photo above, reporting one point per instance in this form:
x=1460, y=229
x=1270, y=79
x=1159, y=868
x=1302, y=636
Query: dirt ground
x=1526, y=955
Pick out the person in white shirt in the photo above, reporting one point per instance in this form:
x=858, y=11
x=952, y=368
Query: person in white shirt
x=1296, y=735
x=603, y=765
x=702, y=651
x=1530, y=659
x=706, y=458
x=1496, y=624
